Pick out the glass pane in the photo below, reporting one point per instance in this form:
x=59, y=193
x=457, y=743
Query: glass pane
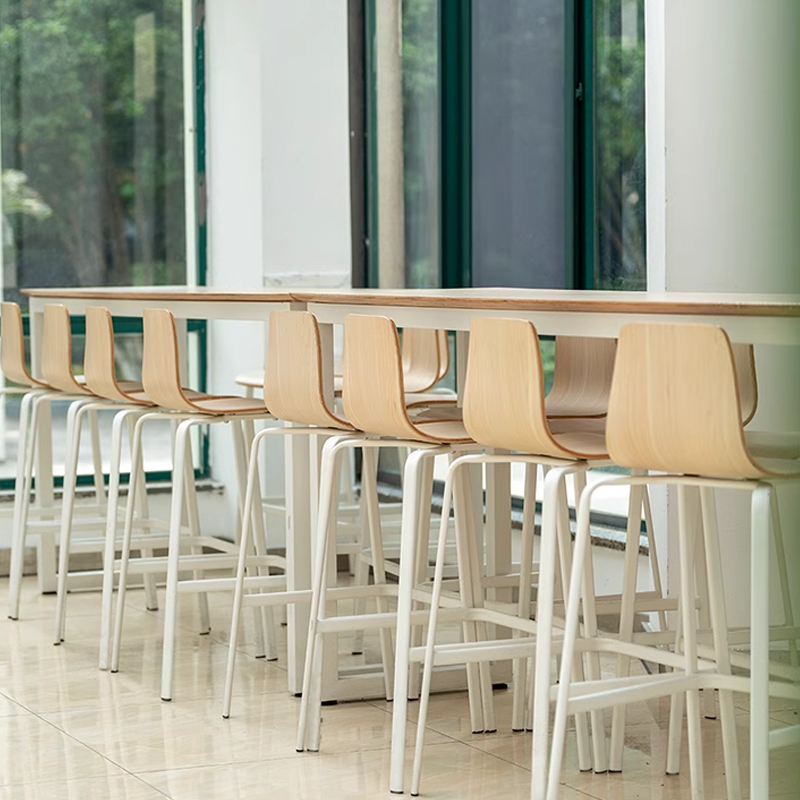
x=620, y=145
x=92, y=143
x=421, y=142
x=156, y=434
x=518, y=135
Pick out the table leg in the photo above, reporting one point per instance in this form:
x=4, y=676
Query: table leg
x=498, y=546
x=298, y=553
x=301, y=508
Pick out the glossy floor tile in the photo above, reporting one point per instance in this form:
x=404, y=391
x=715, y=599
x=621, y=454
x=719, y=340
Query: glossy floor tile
x=69, y=730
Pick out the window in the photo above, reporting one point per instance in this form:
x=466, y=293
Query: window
x=620, y=209
x=505, y=143
x=92, y=154
x=92, y=103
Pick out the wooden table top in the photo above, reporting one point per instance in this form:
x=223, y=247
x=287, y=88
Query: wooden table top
x=689, y=303
x=170, y=293
x=787, y=305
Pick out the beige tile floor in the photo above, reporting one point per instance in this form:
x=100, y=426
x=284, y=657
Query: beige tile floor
x=68, y=730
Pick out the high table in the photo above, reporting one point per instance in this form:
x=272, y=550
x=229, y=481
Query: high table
x=205, y=304
x=758, y=319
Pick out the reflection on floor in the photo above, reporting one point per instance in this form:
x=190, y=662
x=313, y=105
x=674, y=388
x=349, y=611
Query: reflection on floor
x=68, y=730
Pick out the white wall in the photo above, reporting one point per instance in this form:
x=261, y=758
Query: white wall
x=305, y=144
x=731, y=178
x=278, y=171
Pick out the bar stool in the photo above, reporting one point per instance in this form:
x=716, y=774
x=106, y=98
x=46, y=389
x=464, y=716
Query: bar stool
x=675, y=408
x=12, y=362
x=129, y=402
x=294, y=390
x=374, y=402
x=162, y=384
x=59, y=384
x=504, y=408
x=426, y=360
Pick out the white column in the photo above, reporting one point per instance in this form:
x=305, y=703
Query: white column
x=732, y=193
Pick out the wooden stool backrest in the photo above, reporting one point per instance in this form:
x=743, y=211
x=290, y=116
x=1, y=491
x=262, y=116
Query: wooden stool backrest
x=12, y=347
x=421, y=359
x=98, y=356
x=161, y=373
x=373, y=390
x=504, y=389
x=582, y=377
x=674, y=403
x=293, y=379
x=443, y=348
x=745, y=362
x=57, y=350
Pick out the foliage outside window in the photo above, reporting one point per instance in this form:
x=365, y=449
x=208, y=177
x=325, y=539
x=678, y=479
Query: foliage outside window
x=620, y=145
x=420, y=69
x=92, y=117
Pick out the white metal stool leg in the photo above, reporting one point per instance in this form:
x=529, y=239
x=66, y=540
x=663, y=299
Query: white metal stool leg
x=264, y=618
x=759, y=641
x=97, y=460
x=136, y=460
x=783, y=576
x=520, y=665
x=408, y=541
x=544, y=619
x=687, y=548
x=326, y=489
x=250, y=507
x=190, y=516
x=143, y=510
x=121, y=420
x=464, y=534
x=369, y=478
x=179, y=475
x=28, y=420
x=370, y=489
x=676, y=708
x=626, y=619
x=565, y=562
x=431, y=638
x=73, y=438
x=421, y=568
x=655, y=571
x=719, y=625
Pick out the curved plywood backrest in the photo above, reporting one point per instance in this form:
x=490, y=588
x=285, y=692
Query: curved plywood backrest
x=674, y=403
x=745, y=363
x=160, y=364
x=57, y=350
x=420, y=349
x=293, y=380
x=373, y=391
x=504, y=391
x=582, y=378
x=443, y=348
x=98, y=355
x=12, y=347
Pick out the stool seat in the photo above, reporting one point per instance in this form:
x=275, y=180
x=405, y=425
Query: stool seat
x=442, y=430
x=127, y=386
x=224, y=404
